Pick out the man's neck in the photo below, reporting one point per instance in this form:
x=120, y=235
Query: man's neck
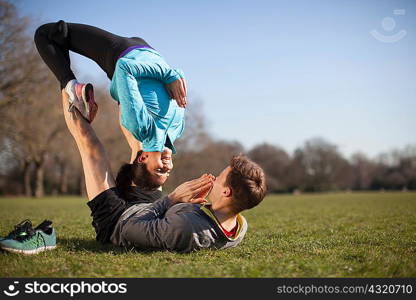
x=227, y=220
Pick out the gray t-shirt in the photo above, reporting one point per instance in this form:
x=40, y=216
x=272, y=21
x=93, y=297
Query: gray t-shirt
x=182, y=227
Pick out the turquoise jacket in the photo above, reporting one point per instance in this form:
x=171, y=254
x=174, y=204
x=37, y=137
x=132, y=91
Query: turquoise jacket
x=147, y=111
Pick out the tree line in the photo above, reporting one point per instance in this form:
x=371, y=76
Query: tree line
x=38, y=156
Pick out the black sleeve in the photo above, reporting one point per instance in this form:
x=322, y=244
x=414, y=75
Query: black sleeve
x=153, y=228
x=106, y=209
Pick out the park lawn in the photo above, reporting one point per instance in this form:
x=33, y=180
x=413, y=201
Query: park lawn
x=321, y=235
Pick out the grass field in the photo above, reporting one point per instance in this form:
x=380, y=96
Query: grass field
x=328, y=235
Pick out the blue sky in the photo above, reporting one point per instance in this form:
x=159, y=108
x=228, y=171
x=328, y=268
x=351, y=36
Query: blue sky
x=275, y=71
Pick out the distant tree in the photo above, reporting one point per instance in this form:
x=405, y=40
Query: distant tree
x=192, y=148
x=217, y=155
x=213, y=158
x=363, y=170
x=34, y=125
x=196, y=135
x=19, y=64
x=322, y=166
x=407, y=166
x=64, y=164
x=396, y=169
x=27, y=103
x=275, y=161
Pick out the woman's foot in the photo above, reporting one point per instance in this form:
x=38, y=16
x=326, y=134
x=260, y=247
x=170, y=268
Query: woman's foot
x=81, y=96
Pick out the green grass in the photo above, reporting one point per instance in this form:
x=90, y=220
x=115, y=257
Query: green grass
x=326, y=235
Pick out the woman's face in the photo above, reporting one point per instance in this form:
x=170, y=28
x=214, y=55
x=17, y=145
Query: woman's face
x=159, y=164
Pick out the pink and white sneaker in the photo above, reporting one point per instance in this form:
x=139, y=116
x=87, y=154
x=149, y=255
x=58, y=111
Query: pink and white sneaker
x=81, y=96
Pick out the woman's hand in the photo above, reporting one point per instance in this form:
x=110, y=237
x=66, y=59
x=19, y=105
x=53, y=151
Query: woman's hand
x=177, y=91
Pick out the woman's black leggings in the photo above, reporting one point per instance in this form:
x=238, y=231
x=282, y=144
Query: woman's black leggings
x=54, y=40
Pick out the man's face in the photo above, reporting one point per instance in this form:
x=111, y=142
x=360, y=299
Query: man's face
x=159, y=164
x=219, y=185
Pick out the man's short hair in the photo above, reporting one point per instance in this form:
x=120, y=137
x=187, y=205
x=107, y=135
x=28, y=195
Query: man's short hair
x=247, y=182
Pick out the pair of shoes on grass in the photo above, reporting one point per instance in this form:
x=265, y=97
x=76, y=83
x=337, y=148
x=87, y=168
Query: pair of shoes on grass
x=28, y=240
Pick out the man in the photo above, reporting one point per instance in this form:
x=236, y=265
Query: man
x=176, y=222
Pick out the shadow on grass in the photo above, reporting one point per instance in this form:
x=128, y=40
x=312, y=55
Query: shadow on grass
x=83, y=245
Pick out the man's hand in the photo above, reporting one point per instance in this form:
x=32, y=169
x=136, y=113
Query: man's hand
x=177, y=91
x=204, y=193
x=191, y=191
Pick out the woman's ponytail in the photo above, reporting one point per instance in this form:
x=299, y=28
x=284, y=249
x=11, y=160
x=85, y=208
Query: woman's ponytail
x=124, y=178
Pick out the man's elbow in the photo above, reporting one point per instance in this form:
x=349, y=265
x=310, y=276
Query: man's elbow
x=181, y=241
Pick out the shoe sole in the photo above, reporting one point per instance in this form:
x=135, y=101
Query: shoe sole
x=28, y=252
x=89, y=101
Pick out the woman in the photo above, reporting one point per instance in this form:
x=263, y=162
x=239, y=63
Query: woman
x=141, y=82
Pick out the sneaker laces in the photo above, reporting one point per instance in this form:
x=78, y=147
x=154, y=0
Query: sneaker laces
x=43, y=239
x=71, y=107
x=70, y=90
x=29, y=232
x=20, y=228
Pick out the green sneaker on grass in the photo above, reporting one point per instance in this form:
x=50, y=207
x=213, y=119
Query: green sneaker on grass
x=42, y=238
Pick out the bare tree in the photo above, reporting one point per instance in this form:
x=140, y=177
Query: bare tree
x=275, y=161
x=407, y=166
x=18, y=62
x=323, y=166
x=196, y=135
x=34, y=124
x=363, y=171
x=213, y=158
x=25, y=98
x=396, y=169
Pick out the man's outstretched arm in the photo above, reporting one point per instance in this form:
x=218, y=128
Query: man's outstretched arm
x=98, y=176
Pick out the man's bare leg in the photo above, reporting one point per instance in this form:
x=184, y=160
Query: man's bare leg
x=135, y=145
x=98, y=176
